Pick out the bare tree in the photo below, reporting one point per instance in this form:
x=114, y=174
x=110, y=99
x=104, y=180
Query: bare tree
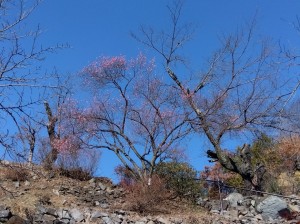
x=243, y=88
x=19, y=55
x=134, y=114
x=28, y=138
x=56, y=116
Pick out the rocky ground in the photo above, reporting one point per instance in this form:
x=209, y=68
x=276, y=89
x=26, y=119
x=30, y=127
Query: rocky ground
x=48, y=198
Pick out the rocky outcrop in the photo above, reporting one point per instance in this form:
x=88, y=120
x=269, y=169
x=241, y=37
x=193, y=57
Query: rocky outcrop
x=234, y=199
x=253, y=209
x=270, y=206
x=76, y=215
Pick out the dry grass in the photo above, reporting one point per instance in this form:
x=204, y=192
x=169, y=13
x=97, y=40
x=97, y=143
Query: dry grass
x=144, y=198
x=24, y=199
x=39, y=191
x=15, y=174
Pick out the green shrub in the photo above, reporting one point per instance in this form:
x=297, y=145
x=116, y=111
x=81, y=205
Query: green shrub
x=181, y=178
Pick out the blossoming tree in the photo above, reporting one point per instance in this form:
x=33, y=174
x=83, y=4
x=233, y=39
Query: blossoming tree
x=66, y=136
x=134, y=113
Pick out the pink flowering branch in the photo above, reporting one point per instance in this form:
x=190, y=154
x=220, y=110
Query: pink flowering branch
x=134, y=114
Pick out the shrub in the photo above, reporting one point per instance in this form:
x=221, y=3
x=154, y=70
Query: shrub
x=16, y=174
x=144, y=198
x=80, y=165
x=217, y=177
x=180, y=178
x=76, y=173
x=279, y=159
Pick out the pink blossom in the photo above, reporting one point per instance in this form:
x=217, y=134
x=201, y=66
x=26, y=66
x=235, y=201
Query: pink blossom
x=106, y=68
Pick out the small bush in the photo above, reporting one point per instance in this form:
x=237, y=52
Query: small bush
x=76, y=173
x=16, y=174
x=221, y=180
x=79, y=165
x=180, y=178
x=144, y=198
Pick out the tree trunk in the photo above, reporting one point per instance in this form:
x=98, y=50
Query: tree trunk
x=52, y=155
x=241, y=163
x=32, y=139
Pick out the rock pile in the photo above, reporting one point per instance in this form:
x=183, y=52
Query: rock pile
x=49, y=215
x=253, y=209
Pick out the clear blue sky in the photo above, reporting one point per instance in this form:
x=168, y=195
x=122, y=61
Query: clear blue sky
x=102, y=27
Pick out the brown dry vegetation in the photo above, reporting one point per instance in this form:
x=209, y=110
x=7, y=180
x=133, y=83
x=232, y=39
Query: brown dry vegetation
x=38, y=188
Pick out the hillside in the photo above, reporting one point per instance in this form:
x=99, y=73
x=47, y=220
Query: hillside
x=45, y=197
x=33, y=195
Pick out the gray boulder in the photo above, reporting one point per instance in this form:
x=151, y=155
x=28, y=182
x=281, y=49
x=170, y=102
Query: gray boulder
x=270, y=206
x=234, y=199
x=4, y=212
x=77, y=215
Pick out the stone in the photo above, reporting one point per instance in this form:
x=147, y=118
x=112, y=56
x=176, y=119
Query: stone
x=97, y=214
x=104, y=205
x=294, y=208
x=108, y=220
x=56, y=192
x=67, y=221
x=76, y=214
x=164, y=221
x=49, y=218
x=294, y=199
x=51, y=211
x=215, y=211
x=17, y=184
x=27, y=183
x=16, y=220
x=116, y=219
x=270, y=206
x=92, y=184
x=242, y=210
x=92, y=180
x=234, y=199
x=63, y=214
x=102, y=186
x=4, y=212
